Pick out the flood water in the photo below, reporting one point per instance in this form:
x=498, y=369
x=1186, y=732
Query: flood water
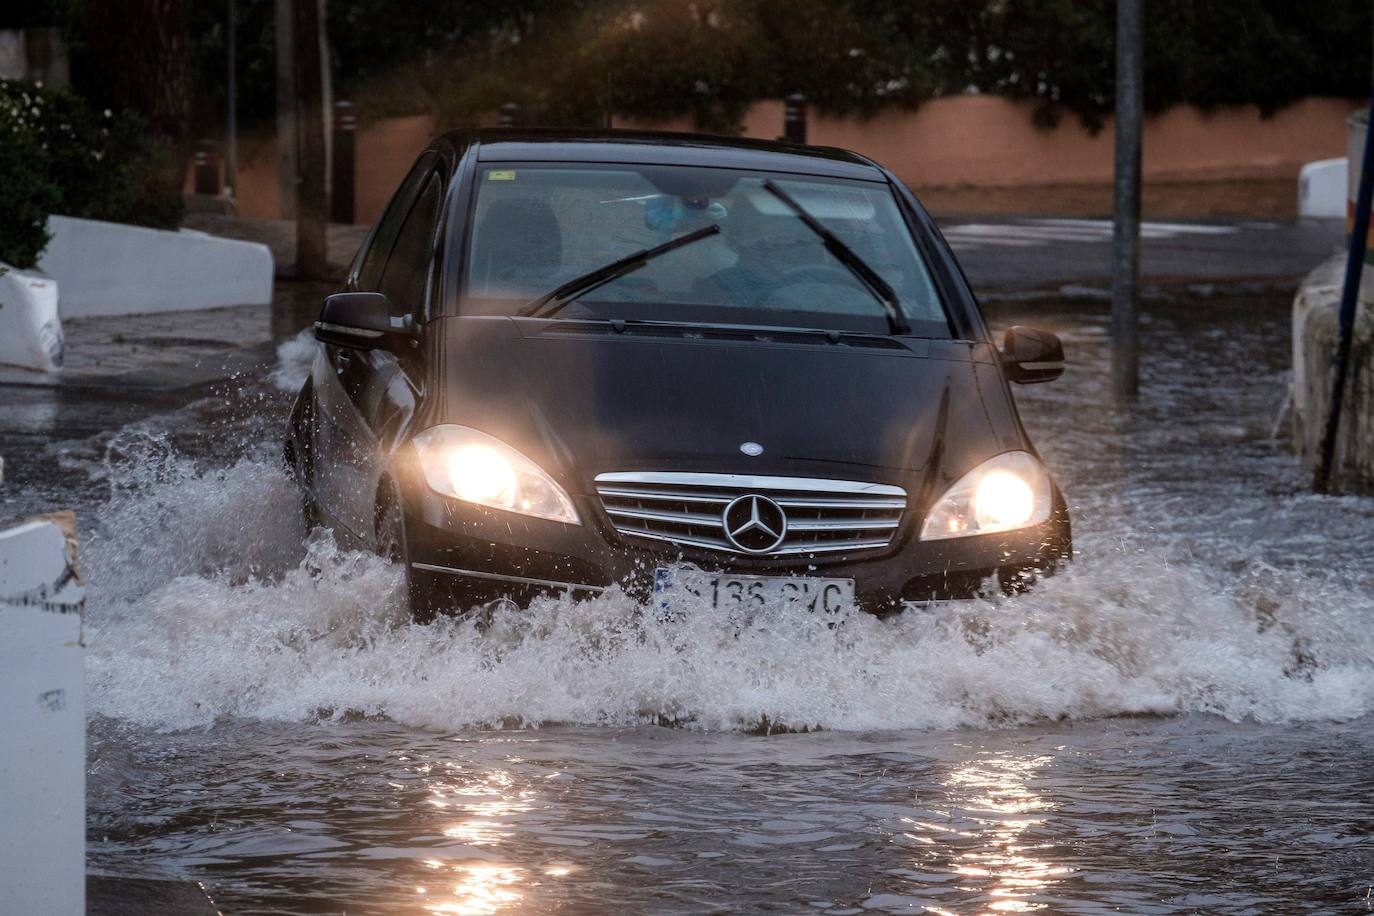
x=1179, y=723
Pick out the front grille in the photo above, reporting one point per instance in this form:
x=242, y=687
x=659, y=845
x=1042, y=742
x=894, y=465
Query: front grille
x=822, y=516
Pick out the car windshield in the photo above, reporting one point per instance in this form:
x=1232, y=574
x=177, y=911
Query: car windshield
x=538, y=226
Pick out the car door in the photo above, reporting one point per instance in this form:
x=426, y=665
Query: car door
x=357, y=389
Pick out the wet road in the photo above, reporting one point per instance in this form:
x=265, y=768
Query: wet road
x=1180, y=723
x=1011, y=254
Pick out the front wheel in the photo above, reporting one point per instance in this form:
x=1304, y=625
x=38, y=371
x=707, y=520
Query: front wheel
x=391, y=544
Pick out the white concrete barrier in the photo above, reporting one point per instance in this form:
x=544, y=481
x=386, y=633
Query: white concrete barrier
x=1322, y=189
x=114, y=269
x=42, y=721
x=30, y=330
x=1316, y=311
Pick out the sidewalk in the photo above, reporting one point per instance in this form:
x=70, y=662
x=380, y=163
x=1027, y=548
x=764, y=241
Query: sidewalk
x=280, y=235
x=166, y=350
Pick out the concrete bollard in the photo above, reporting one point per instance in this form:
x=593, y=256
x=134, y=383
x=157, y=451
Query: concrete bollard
x=206, y=161
x=345, y=163
x=511, y=115
x=42, y=720
x=1315, y=319
x=794, y=118
x=1322, y=189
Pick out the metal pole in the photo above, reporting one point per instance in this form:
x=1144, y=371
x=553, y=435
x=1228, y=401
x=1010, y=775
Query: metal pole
x=231, y=104
x=1130, y=103
x=1350, y=300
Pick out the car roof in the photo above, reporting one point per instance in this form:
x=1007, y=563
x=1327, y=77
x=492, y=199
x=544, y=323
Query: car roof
x=514, y=144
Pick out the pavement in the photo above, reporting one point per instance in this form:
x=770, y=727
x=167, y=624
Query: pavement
x=169, y=349
x=342, y=240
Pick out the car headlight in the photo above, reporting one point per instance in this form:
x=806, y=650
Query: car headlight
x=470, y=465
x=1009, y=491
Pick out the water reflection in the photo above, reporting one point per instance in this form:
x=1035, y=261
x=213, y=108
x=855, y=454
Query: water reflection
x=1000, y=811
x=486, y=806
x=481, y=890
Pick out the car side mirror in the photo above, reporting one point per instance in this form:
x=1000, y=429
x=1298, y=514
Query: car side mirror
x=361, y=321
x=1030, y=355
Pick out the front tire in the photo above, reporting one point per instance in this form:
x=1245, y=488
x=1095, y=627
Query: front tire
x=420, y=593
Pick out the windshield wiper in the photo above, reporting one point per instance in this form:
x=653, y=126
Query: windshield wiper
x=555, y=299
x=875, y=284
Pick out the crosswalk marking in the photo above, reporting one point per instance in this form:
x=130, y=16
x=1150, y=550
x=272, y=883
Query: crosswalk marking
x=1030, y=233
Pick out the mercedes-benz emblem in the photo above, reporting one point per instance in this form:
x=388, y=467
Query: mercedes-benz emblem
x=755, y=524
x=752, y=449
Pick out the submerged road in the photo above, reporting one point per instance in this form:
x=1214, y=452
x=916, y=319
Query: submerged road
x=1032, y=254
x=1180, y=723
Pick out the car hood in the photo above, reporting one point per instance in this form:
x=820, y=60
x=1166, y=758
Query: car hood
x=581, y=398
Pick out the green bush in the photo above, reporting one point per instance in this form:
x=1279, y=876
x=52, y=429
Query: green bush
x=59, y=156
x=711, y=59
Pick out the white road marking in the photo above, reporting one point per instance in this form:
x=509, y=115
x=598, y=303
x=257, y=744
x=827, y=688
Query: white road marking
x=1030, y=233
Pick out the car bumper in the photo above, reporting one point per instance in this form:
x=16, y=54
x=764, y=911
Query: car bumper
x=476, y=553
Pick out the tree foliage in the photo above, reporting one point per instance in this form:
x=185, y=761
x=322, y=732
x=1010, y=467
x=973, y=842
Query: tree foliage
x=710, y=59
x=58, y=155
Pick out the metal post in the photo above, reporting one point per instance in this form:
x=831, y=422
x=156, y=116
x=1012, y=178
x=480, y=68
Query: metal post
x=345, y=130
x=231, y=104
x=1130, y=101
x=1350, y=300
x=794, y=118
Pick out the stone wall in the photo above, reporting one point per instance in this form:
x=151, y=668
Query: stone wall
x=1315, y=319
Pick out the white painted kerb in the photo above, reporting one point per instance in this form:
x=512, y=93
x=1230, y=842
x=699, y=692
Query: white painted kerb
x=114, y=269
x=42, y=725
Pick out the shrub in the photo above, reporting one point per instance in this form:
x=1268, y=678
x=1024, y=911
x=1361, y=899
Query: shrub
x=59, y=156
x=710, y=59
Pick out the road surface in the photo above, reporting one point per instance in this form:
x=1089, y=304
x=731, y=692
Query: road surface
x=1026, y=254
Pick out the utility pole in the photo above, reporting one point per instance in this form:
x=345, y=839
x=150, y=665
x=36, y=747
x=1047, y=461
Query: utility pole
x=1130, y=104
x=231, y=103
x=312, y=201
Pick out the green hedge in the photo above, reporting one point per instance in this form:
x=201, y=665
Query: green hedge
x=710, y=59
x=59, y=156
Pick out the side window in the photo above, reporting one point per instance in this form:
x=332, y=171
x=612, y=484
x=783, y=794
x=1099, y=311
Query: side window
x=384, y=236
x=403, y=280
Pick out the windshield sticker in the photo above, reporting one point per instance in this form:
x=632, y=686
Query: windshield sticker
x=499, y=175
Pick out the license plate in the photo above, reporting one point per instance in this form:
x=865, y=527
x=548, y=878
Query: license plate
x=725, y=592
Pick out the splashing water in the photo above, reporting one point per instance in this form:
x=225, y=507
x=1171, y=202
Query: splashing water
x=209, y=606
x=294, y=356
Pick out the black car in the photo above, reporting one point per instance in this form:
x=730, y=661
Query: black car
x=709, y=370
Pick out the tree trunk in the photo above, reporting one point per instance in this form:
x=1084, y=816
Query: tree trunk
x=141, y=50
